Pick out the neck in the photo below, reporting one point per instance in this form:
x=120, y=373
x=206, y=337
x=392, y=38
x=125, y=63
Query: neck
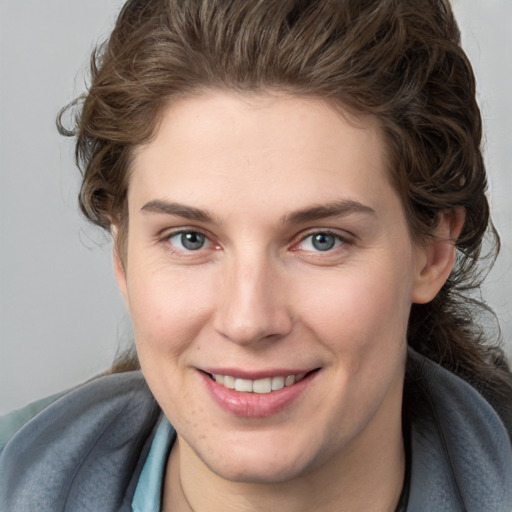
x=368, y=476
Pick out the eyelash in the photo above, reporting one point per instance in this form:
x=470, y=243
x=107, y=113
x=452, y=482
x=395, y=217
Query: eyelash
x=339, y=241
x=184, y=231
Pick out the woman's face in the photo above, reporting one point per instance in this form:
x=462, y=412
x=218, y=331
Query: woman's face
x=268, y=251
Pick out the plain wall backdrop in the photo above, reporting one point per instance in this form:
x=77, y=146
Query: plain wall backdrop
x=61, y=317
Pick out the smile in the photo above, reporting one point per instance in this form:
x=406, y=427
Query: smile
x=256, y=398
x=261, y=386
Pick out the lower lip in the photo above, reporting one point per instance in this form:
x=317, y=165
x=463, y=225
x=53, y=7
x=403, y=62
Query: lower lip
x=255, y=405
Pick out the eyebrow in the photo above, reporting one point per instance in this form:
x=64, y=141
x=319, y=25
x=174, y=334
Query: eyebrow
x=180, y=210
x=335, y=209
x=308, y=214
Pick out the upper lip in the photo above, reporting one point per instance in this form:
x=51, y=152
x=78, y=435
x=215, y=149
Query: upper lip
x=257, y=374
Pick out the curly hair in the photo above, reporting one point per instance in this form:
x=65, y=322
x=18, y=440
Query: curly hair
x=398, y=60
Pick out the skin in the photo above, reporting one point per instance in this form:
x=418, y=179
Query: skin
x=259, y=296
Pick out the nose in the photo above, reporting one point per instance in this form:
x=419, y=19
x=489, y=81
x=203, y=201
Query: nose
x=251, y=304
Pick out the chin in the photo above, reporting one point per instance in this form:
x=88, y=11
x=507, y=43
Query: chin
x=260, y=472
x=271, y=463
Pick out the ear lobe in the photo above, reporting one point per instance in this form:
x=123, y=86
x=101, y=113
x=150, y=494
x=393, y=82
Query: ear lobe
x=436, y=258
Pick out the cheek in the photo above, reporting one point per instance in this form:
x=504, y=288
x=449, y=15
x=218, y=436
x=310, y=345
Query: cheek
x=361, y=309
x=168, y=310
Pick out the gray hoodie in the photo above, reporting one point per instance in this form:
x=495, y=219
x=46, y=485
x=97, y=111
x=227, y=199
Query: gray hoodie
x=85, y=451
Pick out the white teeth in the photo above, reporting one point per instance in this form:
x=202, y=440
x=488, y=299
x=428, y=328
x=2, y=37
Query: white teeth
x=243, y=385
x=229, y=382
x=261, y=386
x=289, y=380
x=277, y=383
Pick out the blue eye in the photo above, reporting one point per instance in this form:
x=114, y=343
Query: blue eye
x=188, y=240
x=321, y=242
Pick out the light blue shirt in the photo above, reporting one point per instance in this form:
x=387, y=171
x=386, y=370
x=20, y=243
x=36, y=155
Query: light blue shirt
x=147, y=497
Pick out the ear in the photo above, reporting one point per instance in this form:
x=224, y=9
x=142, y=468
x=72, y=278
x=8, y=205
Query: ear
x=119, y=268
x=436, y=257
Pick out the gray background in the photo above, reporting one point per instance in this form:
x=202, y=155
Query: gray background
x=61, y=318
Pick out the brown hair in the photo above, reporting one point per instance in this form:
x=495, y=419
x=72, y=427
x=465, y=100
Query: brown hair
x=399, y=60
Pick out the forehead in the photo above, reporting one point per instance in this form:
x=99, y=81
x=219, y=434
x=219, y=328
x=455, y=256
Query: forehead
x=260, y=149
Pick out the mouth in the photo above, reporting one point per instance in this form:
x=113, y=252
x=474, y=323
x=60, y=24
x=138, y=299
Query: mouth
x=260, y=386
x=257, y=398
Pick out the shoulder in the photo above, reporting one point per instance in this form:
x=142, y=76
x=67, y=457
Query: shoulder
x=12, y=422
x=461, y=451
x=89, y=442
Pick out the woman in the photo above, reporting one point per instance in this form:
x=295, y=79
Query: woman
x=296, y=197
